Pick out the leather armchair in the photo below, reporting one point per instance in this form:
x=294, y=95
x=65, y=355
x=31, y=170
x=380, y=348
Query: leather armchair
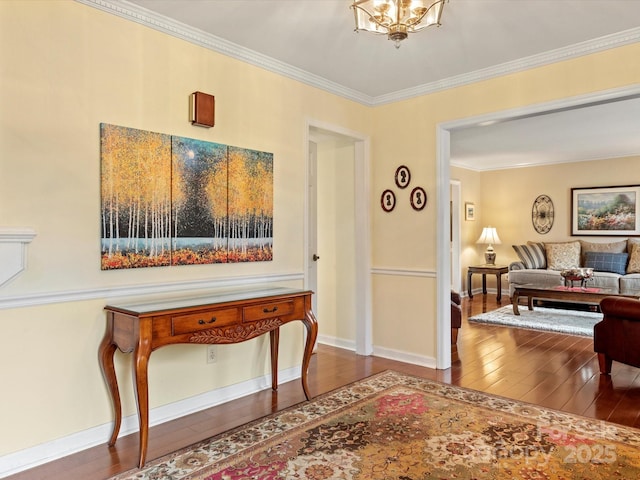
x=456, y=316
x=617, y=336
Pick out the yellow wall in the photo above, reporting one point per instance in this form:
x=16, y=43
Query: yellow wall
x=66, y=67
x=504, y=199
x=405, y=133
x=509, y=209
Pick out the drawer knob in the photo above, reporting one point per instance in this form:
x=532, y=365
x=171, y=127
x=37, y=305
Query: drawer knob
x=267, y=310
x=203, y=322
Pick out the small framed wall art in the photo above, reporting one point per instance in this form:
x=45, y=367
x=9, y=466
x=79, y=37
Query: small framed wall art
x=469, y=211
x=418, y=198
x=403, y=176
x=388, y=200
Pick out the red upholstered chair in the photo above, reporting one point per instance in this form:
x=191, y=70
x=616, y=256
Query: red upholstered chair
x=617, y=336
x=456, y=316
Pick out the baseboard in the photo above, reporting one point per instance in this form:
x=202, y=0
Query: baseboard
x=337, y=342
x=32, y=457
x=406, y=357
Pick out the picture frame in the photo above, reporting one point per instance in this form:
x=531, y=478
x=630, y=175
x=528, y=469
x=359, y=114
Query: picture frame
x=418, y=198
x=605, y=211
x=403, y=176
x=469, y=211
x=388, y=200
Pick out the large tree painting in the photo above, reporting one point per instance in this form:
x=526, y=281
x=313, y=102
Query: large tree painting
x=199, y=202
x=136, y=198
x=179, y=201
x=250, y=205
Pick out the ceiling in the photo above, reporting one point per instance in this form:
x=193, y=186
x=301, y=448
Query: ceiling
x=314, y=41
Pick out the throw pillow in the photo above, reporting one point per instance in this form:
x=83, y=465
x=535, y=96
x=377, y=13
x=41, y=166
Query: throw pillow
x=607, y=262
x=532, y=255
x=611, y=247
x=634, y=260
x=562, y=256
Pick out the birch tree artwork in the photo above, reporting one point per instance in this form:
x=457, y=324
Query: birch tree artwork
x=170, y=200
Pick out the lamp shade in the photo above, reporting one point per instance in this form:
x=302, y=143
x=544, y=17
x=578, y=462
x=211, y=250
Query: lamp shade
x=489, y=236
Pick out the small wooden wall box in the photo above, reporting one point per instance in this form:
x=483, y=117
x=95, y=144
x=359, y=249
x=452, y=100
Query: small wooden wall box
x=202, y=109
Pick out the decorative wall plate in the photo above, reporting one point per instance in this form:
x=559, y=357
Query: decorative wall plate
x=542, y=214
x=403, y=176
x=418, y=198
x=388, y=200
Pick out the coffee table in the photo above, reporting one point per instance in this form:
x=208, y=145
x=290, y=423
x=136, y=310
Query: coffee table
x=568, y=294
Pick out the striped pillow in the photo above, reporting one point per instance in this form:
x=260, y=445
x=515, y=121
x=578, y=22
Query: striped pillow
x=532, y=255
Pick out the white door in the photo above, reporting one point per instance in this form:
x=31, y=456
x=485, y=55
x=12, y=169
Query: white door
x=312, y=273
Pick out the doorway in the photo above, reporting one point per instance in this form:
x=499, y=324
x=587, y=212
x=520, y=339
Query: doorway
x=337, y=246
x=443, y=139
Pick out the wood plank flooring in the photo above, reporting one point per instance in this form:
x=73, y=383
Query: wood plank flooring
x=548, y=369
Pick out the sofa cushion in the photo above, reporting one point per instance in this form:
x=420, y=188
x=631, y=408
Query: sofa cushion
x=610, y=247
x=561, y=256
x=607, y=280
x=607, y=262
x=630, y=284
x=532, y=255
x=634, y=259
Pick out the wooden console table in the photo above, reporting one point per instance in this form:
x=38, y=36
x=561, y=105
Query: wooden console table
x=230, y=317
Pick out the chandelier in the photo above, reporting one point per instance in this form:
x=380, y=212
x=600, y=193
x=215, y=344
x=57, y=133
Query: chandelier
x=396, y=18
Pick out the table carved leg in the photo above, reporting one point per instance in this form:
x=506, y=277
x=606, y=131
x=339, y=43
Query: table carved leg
x=106, y=352
x=514, y=302
x=311, y=325
x=141, y=365
x=274, y=340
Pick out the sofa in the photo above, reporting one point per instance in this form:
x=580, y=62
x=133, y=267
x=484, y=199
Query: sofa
x=617, y=336
x=615, y=265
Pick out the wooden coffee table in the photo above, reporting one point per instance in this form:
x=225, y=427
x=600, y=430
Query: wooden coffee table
x=568, y=294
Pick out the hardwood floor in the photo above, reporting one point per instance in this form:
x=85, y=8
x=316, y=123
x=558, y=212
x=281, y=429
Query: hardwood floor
x=548, y=369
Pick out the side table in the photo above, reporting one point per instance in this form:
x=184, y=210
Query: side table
x=484, y=270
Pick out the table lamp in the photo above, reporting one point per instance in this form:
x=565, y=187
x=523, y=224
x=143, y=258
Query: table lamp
x=489, y=237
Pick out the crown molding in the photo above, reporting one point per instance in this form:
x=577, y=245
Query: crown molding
x=166, y=25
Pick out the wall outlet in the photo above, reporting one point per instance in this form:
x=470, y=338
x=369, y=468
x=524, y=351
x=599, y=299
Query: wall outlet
x=212, y=354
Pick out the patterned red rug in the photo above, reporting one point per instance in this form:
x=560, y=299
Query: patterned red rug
x=395, y=426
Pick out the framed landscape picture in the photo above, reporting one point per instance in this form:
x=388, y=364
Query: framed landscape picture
x=605, y=210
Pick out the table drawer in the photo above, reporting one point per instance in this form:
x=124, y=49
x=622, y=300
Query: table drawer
x=204, y=320
x=268, y=310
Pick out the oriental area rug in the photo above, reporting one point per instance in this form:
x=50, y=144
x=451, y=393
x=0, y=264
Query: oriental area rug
x=400, y=427
x=574, y=322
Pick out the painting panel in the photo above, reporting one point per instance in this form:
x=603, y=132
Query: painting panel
x=250, y=205
x=135, y=198
x=605, y=210
x=199, y=202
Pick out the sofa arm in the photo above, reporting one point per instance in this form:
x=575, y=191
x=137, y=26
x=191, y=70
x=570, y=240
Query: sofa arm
x=621, y=307
x=517, y=266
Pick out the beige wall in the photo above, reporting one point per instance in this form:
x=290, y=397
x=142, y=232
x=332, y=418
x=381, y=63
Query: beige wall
x=405, y=133
x=504, y=199
x=66, y=67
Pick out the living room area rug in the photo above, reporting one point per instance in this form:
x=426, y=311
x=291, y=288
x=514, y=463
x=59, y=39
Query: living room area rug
x=396, y=426
x=575, y=322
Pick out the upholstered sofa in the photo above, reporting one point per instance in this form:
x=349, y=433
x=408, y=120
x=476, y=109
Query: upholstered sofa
x=616, y=265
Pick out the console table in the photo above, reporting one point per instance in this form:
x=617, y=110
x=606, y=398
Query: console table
x=230, y=317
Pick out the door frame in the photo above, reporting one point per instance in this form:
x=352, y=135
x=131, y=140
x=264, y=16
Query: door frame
x=362, y=222
x=443, y=174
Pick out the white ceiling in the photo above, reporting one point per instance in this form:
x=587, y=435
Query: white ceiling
x=314, y=41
